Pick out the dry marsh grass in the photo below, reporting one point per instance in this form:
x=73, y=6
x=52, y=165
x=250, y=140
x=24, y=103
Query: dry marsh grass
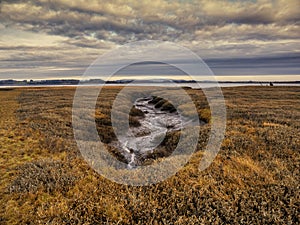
x=253, y=180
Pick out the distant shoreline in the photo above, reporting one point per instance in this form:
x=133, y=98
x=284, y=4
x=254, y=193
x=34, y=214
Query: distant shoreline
x=193, y=85
x=155, y=82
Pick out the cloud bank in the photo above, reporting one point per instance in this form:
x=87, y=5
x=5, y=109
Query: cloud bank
x=62, y=37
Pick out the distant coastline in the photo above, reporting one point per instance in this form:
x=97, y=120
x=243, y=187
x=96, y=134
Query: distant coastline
x=72, y=82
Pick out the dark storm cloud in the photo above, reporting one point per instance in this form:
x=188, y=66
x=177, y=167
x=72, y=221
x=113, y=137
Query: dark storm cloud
x=281, y=64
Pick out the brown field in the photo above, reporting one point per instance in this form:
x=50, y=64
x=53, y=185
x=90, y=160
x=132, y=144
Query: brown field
x=253, y=180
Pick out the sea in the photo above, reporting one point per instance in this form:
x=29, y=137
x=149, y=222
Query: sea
x=191, y=85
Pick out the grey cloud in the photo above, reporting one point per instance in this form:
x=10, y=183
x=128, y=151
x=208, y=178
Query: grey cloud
x=280, y=64
x=85, y=43
x=137, y=21
x=211, y=28
x=60, y=15
x=150, y=68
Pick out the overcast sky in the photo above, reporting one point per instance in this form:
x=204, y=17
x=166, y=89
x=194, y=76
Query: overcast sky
x=46, y=39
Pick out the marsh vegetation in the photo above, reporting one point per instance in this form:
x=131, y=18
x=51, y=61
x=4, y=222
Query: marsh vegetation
x=253, y=180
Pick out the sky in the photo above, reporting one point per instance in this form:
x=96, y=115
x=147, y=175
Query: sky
x=239, y=40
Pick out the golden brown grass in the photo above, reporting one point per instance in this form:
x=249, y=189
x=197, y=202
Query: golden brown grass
x=253, y=180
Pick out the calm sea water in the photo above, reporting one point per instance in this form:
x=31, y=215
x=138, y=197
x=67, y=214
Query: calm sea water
x=192, y=85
